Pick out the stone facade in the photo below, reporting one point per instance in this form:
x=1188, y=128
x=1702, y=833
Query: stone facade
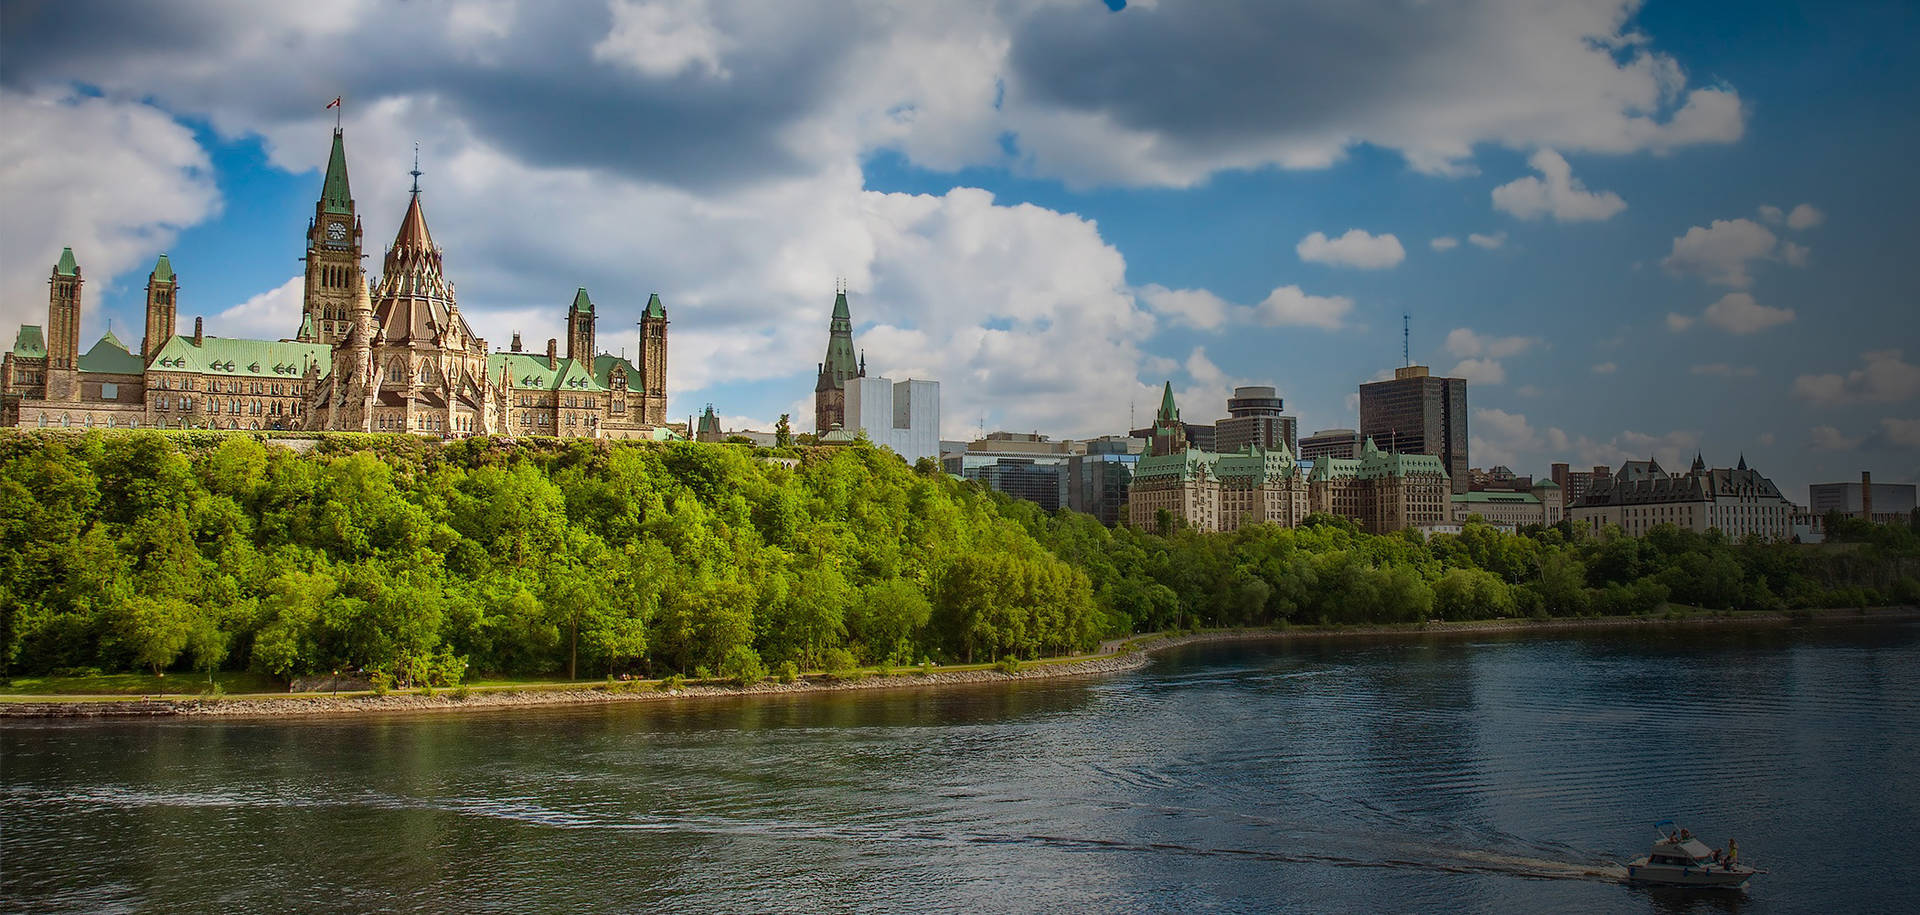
x=1641, y=496
x=1209, y=491
x=1381, y=490
x=393, y=356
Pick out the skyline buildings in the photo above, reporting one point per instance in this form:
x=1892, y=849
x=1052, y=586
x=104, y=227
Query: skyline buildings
x=1416, y=412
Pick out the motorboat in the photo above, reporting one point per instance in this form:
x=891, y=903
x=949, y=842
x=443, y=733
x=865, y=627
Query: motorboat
x=1679, y=859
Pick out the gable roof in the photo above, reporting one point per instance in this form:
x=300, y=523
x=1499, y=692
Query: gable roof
x=110, y=356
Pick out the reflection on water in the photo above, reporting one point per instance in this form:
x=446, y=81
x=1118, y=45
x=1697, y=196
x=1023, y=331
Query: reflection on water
x=1457, y=774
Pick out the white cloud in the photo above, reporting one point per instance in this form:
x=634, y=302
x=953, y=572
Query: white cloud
x=1444, y=243
x=1722, y=252
x=115, y=180
x=1480, y=371
x=1677, y=322
x=1194, y=307
x=1805, y=216
x=1605, y=368
x=1357, y=248
x=1772, y=214
x=1499, y=437
x=1673, y=449
x=1462, y=341
x=1827, y=438
x=1886, y=378
x=1488, y=242
x=1737, y=312
x=270, y=315
x=664, y=38
x=1289, y=305
x=1725, y=370
x=1900, y=433
x=1555, y=193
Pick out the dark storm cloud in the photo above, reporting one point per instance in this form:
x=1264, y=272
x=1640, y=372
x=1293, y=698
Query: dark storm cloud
x=539, y=93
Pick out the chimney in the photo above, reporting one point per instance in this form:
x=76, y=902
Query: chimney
x=1602, y=470
x=553, y=353
x=1866, y=495
x=197, y=335
x=516, y=341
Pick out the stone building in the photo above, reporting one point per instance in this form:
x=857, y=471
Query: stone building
x=1382, y=490
x=839, y=367
x=396, y=356
x=1208, y=491
x=1640, y=496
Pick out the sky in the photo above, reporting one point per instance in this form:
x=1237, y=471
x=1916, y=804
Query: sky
x=1636, y=229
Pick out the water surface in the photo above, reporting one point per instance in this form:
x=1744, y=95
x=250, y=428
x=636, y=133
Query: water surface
x=1493, y=773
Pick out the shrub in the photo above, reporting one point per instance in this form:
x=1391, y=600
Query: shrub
x=1008, y=665
x=382, y=682
x=789, y=672
x=742, y=665
x=672, y=684
x=462, y=693
x=838, y=663
x=702, y=672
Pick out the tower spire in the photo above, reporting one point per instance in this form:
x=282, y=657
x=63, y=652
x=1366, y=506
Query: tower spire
x=416, y=168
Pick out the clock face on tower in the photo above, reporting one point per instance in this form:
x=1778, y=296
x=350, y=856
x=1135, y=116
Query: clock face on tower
x=336, y=232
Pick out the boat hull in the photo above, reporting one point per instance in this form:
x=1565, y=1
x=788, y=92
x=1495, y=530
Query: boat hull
x=1668, y=875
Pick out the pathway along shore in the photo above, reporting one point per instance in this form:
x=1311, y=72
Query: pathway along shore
x=1116, y=656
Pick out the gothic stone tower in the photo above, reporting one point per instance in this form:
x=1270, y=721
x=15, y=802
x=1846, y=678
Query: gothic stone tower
x=63, y=329
x=333, y=256
x=830, y=391
x=653, y=359
x=163, y=290
x=580, y=327
x=1169, y=433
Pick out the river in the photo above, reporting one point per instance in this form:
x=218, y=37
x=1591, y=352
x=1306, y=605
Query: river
x=1488, y=773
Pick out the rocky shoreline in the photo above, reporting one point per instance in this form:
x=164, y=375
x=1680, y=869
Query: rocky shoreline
x=1118, y=657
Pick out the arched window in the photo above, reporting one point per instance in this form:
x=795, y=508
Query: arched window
x=43, y=420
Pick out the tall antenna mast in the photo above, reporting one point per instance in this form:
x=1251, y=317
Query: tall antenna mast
x=1406, y=339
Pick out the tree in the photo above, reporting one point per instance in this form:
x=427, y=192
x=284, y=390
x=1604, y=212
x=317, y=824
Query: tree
x=783, y=431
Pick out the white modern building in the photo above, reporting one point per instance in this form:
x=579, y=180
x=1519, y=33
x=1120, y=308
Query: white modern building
x=904, y=416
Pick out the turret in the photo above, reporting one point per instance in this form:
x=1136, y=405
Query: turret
x=580, y=327
x=162, y=293
x=63, y=328
x=653, y=361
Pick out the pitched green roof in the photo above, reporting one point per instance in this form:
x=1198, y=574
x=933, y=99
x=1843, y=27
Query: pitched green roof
x=234, y=357
x=840, y=310
x=67, y=265
x=581, y=303
x=110, y=356
x=334, y=194
x=1168, y=412
x=530, y=371
x=603, y=372
x=654, y=308
x=29, y=342
x=163, y=270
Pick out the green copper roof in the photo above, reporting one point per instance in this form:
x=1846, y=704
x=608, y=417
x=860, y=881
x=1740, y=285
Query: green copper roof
x=266, y=360
x=654, y=308
x=1375, y=464
x=603, y=366
x=67, y=265
x=334, y=195
x=581, y=303
x=29, y=342
x=306, y=326
x=163, y=270
x=1168, y=412
x=110, y=356
x=840, y=311
x=840, y=363
x=709, y=423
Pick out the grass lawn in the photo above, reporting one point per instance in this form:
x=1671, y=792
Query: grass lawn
x=174, y=684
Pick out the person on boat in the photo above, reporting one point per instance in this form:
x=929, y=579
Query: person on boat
x=1733, y=853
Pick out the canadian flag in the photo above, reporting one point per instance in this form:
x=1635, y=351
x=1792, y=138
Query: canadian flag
x=335, y=103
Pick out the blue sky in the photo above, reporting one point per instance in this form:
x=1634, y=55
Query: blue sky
x=1692, y=219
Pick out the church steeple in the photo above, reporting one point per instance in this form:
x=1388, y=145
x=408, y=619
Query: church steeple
x=335, y=196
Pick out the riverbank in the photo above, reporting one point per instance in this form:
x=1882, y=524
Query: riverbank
x=1114, y=657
